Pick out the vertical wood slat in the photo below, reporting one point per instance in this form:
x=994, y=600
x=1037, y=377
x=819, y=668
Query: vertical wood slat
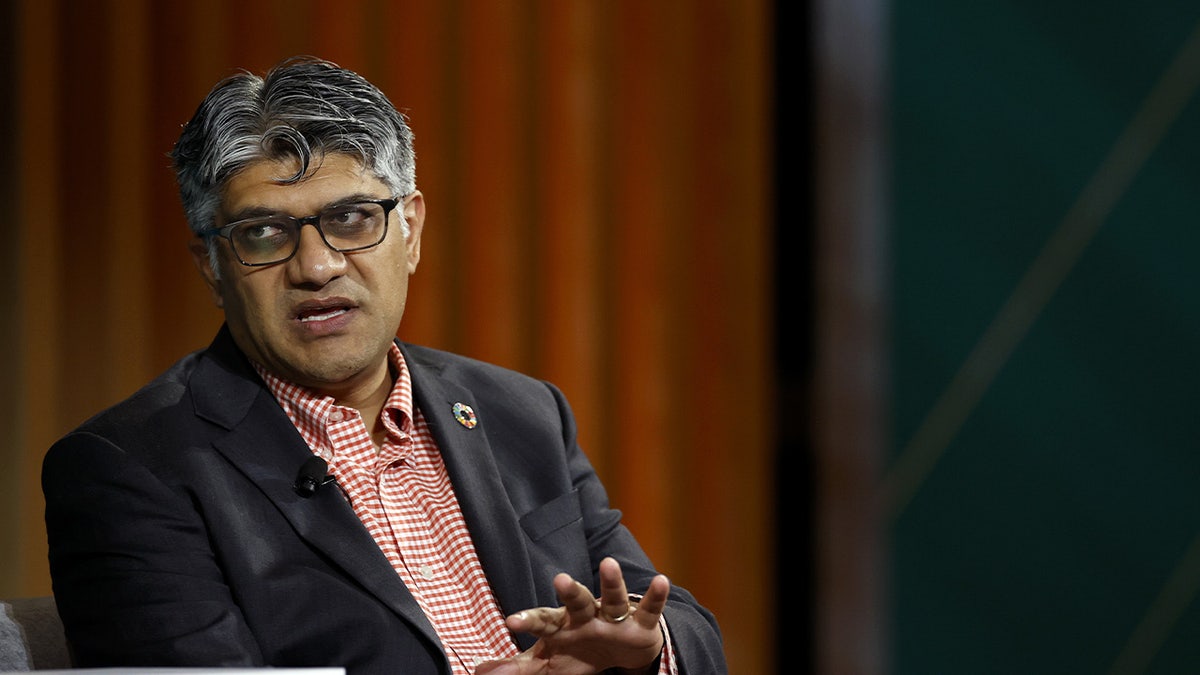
x=85, y=73
x=570, y=228
x=38, y=301
x=125, y=219
x=337, y=33
x=256, y=40
x=189, y=49
x=727, y=552
x=11, y=338
x=642, y=265
x=493, y=191
x=422, y=91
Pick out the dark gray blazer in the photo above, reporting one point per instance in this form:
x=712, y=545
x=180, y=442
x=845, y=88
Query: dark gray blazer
x=176, y=537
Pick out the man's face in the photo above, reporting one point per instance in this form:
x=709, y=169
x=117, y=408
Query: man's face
x=323, y=319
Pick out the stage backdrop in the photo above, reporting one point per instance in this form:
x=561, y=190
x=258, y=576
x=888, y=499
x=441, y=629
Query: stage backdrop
x=1043, y=491
x=597, y=176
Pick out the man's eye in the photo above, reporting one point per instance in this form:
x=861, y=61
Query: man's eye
x=263, y=235
x=350, y=215
x=263, y=231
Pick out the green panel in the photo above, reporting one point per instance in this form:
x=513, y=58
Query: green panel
x=1058, y=511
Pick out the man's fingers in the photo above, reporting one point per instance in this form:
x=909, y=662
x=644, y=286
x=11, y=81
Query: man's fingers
x=613, y=606
x=539, y=621
x=650, y=607
x=614, y=599
x=576, y=599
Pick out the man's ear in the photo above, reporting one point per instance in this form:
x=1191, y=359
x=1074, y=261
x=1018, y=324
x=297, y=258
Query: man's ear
x=414, y=215
x=204, y=264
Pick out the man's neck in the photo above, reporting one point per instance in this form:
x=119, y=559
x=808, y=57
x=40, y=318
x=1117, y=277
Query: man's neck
x=368, y=399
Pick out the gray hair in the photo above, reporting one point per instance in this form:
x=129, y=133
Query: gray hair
x=302, y=109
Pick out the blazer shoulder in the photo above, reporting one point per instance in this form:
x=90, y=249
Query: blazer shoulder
x=440, y=376
x=158, y=396
x=215, y=384
x=458, y=367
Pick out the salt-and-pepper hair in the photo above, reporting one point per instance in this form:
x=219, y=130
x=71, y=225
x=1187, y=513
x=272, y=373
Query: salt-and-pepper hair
x=303, y=109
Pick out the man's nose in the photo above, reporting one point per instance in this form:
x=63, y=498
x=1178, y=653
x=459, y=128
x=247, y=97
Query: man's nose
x=314, y=261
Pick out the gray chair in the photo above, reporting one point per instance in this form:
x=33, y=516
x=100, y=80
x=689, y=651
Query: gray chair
x=31, y=635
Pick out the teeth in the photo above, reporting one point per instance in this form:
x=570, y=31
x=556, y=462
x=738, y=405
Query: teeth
x=322, y=317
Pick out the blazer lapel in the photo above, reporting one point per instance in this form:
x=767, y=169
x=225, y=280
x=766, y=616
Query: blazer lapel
x=495, y=530
x=263, y=445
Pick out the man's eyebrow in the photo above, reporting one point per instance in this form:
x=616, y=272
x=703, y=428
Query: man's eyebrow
x=250, y=212
x=265, y=211
x=351, y=199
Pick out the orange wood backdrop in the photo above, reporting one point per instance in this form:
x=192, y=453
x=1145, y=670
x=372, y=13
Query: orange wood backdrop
x=598, y=178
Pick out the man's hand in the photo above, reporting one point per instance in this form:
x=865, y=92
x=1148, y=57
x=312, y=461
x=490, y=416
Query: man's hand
x=586, y=634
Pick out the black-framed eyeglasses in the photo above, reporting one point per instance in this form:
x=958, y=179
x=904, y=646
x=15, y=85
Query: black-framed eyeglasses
x=267, y=240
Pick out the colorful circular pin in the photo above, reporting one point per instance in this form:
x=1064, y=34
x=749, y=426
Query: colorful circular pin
x=465, y=415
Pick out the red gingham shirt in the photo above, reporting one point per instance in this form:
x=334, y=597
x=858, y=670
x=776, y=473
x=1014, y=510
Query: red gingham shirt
x=402, y=494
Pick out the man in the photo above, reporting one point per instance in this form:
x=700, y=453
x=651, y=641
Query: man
x=311, y=491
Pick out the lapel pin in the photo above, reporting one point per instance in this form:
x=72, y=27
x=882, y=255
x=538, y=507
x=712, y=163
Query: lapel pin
x=465, y=415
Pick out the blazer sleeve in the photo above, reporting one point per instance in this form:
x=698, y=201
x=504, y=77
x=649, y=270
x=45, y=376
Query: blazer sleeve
x=550, y=488
x=134, y=574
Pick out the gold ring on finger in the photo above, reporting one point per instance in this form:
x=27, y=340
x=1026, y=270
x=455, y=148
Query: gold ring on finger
x=619, y=619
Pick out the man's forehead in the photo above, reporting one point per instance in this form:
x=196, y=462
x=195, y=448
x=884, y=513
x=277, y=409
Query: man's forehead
x=269, y=183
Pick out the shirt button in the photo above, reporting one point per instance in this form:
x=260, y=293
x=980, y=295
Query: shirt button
x=427, y=572
x=335, y=416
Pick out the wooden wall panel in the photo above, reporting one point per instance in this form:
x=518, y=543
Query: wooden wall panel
x=573, y=215
x=190, y=48
x=644, y=263
x=10, y=278
x=417, y=72
x=728, y=295
x=494, y=124
x=124, y=219
x=38, y=309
